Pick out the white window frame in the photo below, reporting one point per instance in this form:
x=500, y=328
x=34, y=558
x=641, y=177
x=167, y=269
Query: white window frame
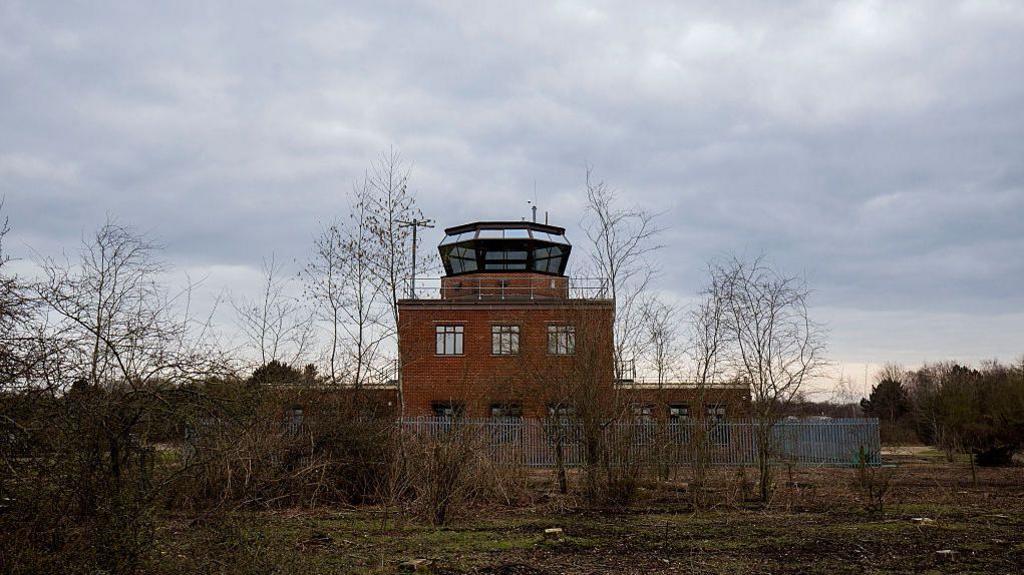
x=448, y=409
x=715, y=412
x=642, y=412
x=509, y=410
x=505, y=339
x=449, y=339
x=561, y=339
x=679, y=411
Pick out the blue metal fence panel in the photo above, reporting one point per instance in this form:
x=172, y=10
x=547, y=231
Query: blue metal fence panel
x=537, y=443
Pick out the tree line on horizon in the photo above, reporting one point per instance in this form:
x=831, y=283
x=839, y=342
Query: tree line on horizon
x=958, y=408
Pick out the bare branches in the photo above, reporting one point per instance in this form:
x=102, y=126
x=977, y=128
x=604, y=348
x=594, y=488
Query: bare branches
x=22, y=349
x=776, y=345
x=660, y=344
x=621, y=240
x=770, y=341
x=340, y=281
x=324, y=276
x=275, y=324
x=114, y=318
x=709, y=344
x=120, y=355
x=391, y=203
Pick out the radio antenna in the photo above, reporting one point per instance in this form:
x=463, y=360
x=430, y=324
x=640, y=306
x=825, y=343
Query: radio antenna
x=415, y=224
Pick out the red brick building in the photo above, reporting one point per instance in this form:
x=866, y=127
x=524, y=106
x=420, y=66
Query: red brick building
x=506, y=334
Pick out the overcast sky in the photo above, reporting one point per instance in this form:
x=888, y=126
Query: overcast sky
x=877, y=147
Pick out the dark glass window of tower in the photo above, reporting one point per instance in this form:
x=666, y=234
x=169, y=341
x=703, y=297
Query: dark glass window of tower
x=501, y=260
x=462, y=259
x=547, y=259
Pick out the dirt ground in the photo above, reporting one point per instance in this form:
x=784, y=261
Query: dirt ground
x=934, y=519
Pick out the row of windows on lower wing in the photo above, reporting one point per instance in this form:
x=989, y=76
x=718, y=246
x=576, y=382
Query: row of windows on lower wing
x=504, y=339
x=676, y=411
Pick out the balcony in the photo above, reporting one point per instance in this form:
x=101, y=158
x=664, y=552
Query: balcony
x=627, y=376
x=507, y=287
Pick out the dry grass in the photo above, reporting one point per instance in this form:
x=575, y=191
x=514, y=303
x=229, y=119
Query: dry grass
x=817, y=522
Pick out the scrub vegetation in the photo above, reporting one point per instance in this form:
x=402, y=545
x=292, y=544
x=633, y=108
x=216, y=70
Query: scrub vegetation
x=133, y=439
x=936, y=521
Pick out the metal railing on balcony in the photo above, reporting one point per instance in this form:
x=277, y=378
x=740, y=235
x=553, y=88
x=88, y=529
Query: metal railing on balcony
x=493, y=287
x=629, y=375
x=382, y=376
x=625, y=370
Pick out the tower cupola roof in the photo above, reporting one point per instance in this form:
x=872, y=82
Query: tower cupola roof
x=504, y=247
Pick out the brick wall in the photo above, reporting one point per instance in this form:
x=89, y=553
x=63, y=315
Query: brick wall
x=503, y=286
x=478, y=378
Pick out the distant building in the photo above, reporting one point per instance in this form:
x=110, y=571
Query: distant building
x=504, y=333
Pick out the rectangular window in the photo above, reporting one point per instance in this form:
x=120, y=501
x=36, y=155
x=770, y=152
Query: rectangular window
x=561, y=410
x=506, y=410
x=561, y=339
x=716, y=412
x=718, y=430
x=643, y=412
x=504, y=339
x=448, y=409
x=678, y=412
x=509, y=420
x=462, y=260
x=547, y=259
x=293, y=420
x=448, y=339
x=517, y=234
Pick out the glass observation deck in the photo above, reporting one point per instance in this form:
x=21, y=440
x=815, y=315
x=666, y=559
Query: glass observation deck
x=487, y=247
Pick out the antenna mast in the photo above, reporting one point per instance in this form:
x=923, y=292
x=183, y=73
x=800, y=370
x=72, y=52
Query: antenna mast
x=415, y=224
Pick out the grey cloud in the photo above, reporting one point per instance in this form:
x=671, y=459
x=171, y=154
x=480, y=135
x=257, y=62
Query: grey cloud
x=875, y=147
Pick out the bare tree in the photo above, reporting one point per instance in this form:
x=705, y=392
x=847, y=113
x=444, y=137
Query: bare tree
x=660, y=344
x=709, y=343
x=391, y=204
x=340, y=282
x=275, y=323
x=118, y=322
x=661, y=355
x=845, y=391
x=775, y=345
x=621, y=239
x=129, y=350
x=365, y=313
x=19, y=342
x=709, y=348
x=576, y=386
x=324, y=276
x=25, y=353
